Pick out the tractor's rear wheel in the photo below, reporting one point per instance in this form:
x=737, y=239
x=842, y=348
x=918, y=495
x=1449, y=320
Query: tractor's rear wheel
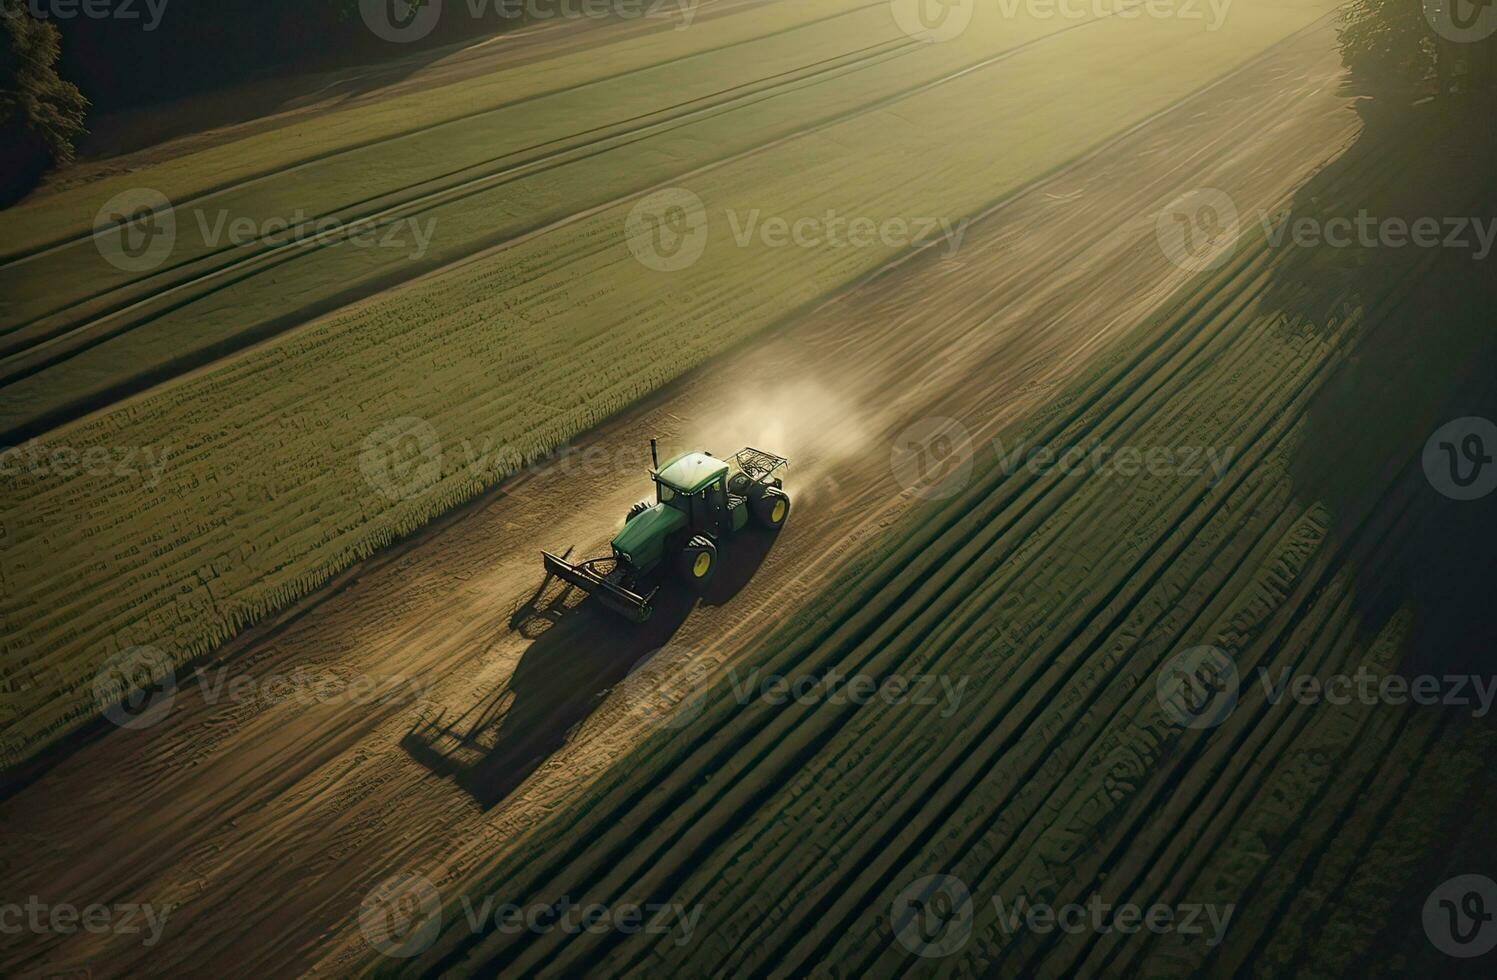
x=770, y=508
x=698, y=562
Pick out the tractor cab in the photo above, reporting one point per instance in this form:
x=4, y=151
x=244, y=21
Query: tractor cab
x=696, y=484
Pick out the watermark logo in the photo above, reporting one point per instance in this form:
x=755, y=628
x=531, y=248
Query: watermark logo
x=136, y=687
x=135, y=229
x=1462, y=21
x=1198, y=229
x=1197, y=688
x=1459, y=458
x=932, y=459
x=933, y=20
x=401, y=21
x=1460, y=916
x=402, y=916
x=932, y=917
x=667, y=230
x=402, y=459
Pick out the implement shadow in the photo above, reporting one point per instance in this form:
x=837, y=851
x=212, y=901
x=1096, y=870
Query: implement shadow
x=579, y=653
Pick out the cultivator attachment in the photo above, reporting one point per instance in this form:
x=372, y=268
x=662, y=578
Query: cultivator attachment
x=758, y=465
x=599, y=577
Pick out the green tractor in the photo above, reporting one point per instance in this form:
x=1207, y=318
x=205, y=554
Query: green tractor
x=699, y=500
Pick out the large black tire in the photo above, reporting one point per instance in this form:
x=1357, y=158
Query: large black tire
x=636, y=510
x=770, y=508
x=697, y=562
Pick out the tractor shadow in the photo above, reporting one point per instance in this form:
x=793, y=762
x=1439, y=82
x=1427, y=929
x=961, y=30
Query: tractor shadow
x=578, y=653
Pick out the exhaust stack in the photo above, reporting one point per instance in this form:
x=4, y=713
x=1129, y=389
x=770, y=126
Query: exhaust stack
x=654, y=459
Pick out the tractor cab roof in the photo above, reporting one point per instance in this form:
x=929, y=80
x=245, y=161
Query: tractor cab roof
x=690, y=472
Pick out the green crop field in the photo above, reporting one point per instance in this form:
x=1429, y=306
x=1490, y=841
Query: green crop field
x=532, y=318
x=1058, y=599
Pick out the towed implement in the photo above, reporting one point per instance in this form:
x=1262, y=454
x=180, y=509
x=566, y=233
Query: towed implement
x=699, y=501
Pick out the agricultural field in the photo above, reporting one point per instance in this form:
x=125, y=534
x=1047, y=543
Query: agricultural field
x=587, y=328
x=1104, y=467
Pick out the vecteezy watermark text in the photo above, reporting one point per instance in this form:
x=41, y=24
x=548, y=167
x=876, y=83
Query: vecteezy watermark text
x=833, y=230
x=932, y=458
x=1366, y=230
x=834, y=687
x=63, y=918
x=147, y=13
x=1365, y=686
x=137, y=687
x=946, y=20
x=406, y=21
x=1101, y=459
x=936, y=915
x=1200, y=687
x=402, y=916
x=669, y=230
x=652, y=918
x=1200, y=229
x=43, y=461
x=138, y=230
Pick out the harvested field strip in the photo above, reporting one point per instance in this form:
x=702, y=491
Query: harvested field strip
x=1059, y=777
x=504, y=358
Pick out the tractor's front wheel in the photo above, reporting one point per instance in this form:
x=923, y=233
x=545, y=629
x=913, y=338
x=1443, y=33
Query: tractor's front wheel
x=771, y=507
x=698, y=562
